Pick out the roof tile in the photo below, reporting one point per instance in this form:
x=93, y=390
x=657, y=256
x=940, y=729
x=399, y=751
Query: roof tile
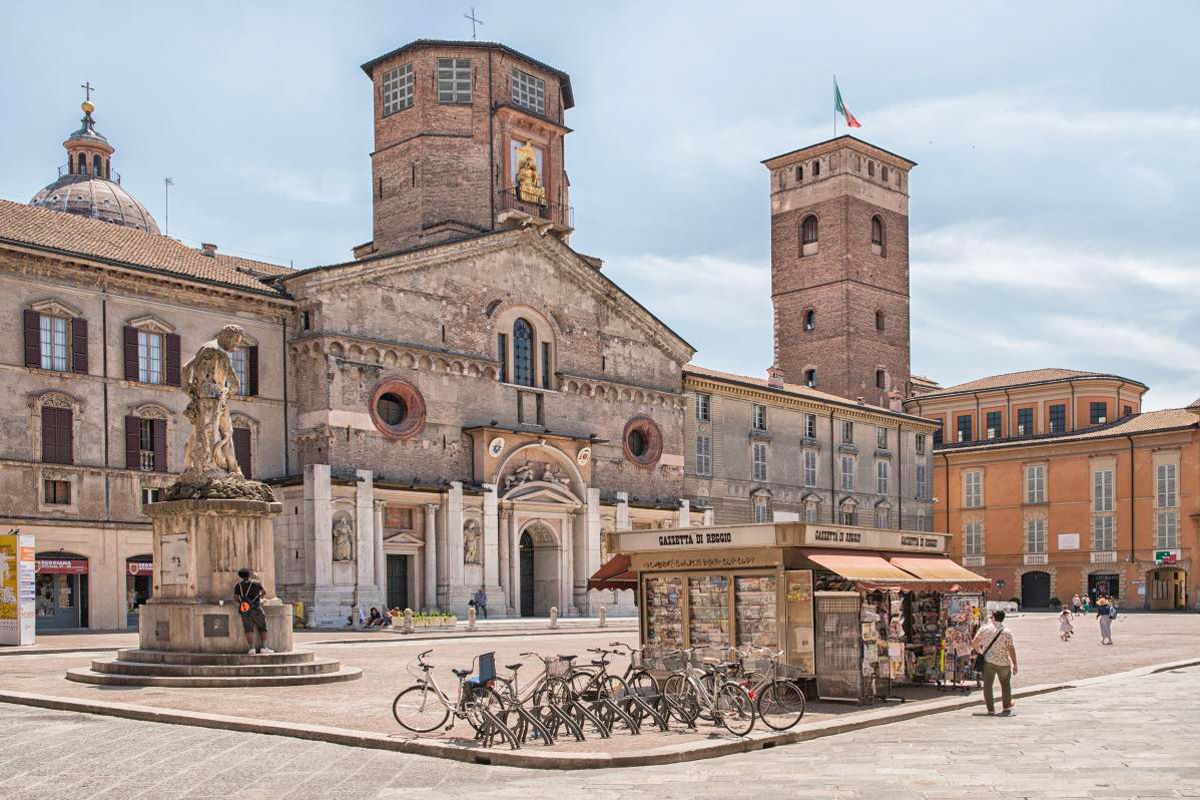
x=1027, y=377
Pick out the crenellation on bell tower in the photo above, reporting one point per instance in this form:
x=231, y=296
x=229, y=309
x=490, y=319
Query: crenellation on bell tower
x=839, y=268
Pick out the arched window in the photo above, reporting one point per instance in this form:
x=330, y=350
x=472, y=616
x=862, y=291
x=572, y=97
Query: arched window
x=816, y=169
x=96, y=166
x=871, y=168
x=522, y=353
x=881, y=379
x=808, y=230
x=876, y=230
x=810, y=378
x=810, y=320
x=879, y=322
x=883, y=173
x=799, y=173
x=82, y=164
x=108, y=167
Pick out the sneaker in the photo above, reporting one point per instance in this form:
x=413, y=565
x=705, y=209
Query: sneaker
x=266, y=651
x=251, y=651
x=1008, y=712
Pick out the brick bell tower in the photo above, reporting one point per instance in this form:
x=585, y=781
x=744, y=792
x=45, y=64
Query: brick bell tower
x=839, y=269
x=468, y=139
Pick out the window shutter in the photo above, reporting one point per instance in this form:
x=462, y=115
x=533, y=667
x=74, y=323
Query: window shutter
x=158, y=429
x=172, y=359
x=49, y=435
x=252, y=370
x=132, y=443
x=241, y=448
x=131, y=353
x=33, y=338
x=79, y=345
x=66, y=436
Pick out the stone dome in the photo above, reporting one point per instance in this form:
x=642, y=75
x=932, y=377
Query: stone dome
x=95, y=197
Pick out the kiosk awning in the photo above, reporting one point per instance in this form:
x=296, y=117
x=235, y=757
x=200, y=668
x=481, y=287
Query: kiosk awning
x=867, y=569
x=614, y=574
x=935, y=569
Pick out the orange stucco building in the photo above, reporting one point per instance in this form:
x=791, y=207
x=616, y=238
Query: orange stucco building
x=1054, y=482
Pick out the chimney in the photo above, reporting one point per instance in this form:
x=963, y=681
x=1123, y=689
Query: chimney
x=208, y=249
x=774, y=377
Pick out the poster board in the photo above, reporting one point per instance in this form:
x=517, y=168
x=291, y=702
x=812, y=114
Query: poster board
x=801, y=645
x=17, y=588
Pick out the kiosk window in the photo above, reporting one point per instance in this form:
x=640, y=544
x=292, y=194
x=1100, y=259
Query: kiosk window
x=754, y=609
x=708, y=598
x=664, y=610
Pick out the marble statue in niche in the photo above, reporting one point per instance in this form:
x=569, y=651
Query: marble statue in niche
x=343, y=539
x=472, y=543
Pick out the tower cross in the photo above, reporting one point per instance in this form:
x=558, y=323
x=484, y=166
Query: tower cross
x=88, y=89
x=474, y=21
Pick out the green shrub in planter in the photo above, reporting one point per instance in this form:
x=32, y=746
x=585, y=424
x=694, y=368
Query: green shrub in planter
x=1055, y=602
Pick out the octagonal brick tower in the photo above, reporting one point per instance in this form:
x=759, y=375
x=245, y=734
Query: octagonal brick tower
x=839, y=269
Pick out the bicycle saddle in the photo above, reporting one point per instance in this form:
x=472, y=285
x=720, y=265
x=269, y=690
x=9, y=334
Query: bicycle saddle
x=513, y=667
x=568, y=658
x=599, y=662
x=461, y=673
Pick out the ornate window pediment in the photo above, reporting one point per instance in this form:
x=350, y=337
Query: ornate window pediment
x=56, y=308
x=150, y=411
x=56, y=400
x=151, y=324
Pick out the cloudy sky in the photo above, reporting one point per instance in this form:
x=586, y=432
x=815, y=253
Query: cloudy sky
x=1052, y=212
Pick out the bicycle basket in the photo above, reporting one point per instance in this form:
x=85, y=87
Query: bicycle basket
x=557, y=668
x=413, y=668
x=791, y=671
x=665, y=661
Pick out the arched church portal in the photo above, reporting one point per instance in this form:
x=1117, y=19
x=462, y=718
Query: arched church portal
x=540, y=570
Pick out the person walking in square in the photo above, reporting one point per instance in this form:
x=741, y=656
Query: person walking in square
x=999, y=653
x=1065, y=626
x=481, y=603
x=1106, y=611
x=249, y=594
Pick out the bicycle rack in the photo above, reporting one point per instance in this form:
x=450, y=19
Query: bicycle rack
x=613, y=711
x=579, y=708
x=530, y=720
x=561, y=717
x=487, y=733
x=649, y=710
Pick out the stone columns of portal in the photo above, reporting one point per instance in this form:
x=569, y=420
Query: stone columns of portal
x=457, y=592
x=624, y=597
x=514, y=564
x=622, y=521
x=505, y=546
x=318, y=514
x=587, y=549
x=566, y=567
x=380, y=558
x=492, y=551
x=430, y=551
x=368, y=592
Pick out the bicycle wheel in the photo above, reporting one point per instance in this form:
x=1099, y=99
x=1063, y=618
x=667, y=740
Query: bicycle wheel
x=482, y=698
x=711, y=683
x=641, y=684
x=734, y=709
x=780, y=705
x=580, y=679
x=419, y=709
x=681, y=699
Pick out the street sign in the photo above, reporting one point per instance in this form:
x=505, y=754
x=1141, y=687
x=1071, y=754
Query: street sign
x=1165, y=557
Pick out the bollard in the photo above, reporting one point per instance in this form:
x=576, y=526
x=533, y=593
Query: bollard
x=471, y=618
x=553, y=617
x=408, y=620
x=602, y=616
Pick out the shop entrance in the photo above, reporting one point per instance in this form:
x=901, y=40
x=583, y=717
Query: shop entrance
x=397, y=581
x=62, y=591
x=139, y=583
x=1104, y=583
x=1168, y=588
x=526, y=575
x=1035, y=590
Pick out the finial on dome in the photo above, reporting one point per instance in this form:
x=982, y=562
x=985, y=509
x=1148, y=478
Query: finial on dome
x=87, y=105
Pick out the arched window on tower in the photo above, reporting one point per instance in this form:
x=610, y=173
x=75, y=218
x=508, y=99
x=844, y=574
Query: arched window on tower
x=522, y=346
x=810, y=378
x=808, y=235
x=877, y=235
x=879, y=321
x=816, y=169
x=108, y=168
x=810, y=319
x=799, y=172
x=82, y=164
x=96, y=165
x=881, y=379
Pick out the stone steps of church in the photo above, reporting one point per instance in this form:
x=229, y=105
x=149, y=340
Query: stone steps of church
x=117, y=666
x=213, y=659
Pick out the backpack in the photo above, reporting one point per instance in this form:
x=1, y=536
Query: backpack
x=1112, y=612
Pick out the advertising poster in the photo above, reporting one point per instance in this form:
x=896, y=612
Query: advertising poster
x=17, y=590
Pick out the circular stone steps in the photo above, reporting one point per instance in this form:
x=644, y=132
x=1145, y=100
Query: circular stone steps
x=209, y=670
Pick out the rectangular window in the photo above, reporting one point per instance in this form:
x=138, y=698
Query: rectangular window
x=58, y=435
x=882, y=518
x=703, y=455
x=920, y=444
x=973, y=538
x=1098, y=413
x=398, y=89
x=502, y=354
x=150, y=357
x=150, y=495
x=881, y=478
x=454, y=80
x=54, y=333
x=1035, y=483
x=1103, y=538
x=1035, y=536
x=921, y=520
x=1024, y=421
x=973, y=489
x=922, y=481
x=847, y=514
x=241, y=368
x=1167, y=486
x=994, y=425
x=810, y=512
x=1102, y=490
x=760, y=418
x=703, y=403
x=937, y=435
x=809, y=458
x=760, y=461
x=529, y=91
x=964, y=428
x=1058, y=418
x=1166, y=533
x=847, y=432
x=881, y=438
x=547, y=366
x=762, y=510
x=57, y=493
x=146, y=444
x=810, y=426
x=1126, y=411
x=848, y=473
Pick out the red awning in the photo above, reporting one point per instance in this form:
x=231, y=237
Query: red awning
x=62, y=566
x=950, y=575
x=614, y=574
x=868, y=570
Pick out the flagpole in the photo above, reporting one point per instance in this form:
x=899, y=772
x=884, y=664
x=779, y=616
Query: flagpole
x=835, y=106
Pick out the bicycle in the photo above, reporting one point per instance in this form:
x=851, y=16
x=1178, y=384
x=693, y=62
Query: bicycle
x=645, y=699
x=778, y=700
x=547, y=696
x=424, y=707
x=727, y=702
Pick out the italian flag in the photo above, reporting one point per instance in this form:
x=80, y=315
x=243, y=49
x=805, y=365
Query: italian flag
x=840, y=107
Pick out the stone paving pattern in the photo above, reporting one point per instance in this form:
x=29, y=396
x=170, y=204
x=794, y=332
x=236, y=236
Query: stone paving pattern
x=365, y=704
x=1132, y=737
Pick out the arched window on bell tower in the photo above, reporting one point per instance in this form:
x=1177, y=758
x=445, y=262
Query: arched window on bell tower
x=522, y=353
x=877, y=235
x=82, y=164
x=96, y=170
x=808, y=235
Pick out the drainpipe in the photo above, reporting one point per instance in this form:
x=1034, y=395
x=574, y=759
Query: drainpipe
x=900, y=477
x=104, y=383
x=1074, y=421
x=1132, y=517
x=491, y=149
x=286, y=438
x=979, y=424
x=946, y=496
x=833, y=473
x=1008, y=413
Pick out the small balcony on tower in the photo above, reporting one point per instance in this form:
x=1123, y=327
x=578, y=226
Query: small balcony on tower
x=517, y=207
